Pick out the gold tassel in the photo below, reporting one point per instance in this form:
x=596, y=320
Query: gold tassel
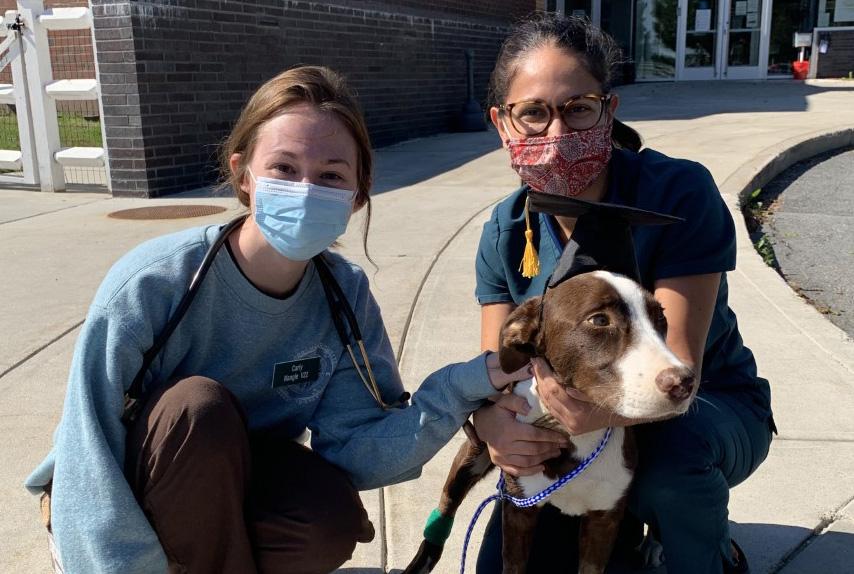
x=530, y=264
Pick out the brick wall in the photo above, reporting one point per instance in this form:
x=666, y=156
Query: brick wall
x=839, y=60
x=175, y=74
x=122, y=119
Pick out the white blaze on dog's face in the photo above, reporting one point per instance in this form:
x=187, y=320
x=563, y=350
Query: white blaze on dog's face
x=655, y=381
x=604, y=335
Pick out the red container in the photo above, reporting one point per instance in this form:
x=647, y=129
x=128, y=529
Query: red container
x=800, y=70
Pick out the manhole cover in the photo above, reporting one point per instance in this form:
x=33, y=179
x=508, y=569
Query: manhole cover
x=167, y=212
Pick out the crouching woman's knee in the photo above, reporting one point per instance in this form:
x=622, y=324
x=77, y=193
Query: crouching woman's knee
x=668, y=488
x=190, y=422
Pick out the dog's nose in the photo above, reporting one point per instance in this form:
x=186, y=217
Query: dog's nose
x=677, y=382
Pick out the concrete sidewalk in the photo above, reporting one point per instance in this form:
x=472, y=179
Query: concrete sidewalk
x=793, y=516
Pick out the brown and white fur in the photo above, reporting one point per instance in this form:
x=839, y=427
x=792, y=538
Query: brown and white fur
x=604, y=335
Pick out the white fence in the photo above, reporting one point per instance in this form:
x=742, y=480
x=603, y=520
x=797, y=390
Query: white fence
x=41, y=160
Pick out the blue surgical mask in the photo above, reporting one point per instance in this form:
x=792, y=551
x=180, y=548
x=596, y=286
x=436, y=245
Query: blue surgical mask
x=300, y=219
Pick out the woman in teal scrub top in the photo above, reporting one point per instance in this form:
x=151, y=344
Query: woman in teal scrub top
x=552, y=106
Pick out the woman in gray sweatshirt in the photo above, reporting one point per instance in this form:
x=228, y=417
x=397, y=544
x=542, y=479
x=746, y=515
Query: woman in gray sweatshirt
x=208, y=477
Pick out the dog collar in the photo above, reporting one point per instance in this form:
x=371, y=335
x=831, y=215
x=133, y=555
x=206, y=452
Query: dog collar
x=537, y=498
x=559, y=483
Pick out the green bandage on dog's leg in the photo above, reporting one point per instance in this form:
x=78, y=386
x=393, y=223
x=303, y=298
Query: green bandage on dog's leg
x=438, y=528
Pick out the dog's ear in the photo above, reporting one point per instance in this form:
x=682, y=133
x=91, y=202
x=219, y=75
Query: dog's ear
x=520, y=336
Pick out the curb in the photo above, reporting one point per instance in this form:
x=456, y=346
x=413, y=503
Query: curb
x=773, y=160
x=767, y=283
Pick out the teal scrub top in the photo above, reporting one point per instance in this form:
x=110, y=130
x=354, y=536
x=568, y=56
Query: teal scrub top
x=703, y=243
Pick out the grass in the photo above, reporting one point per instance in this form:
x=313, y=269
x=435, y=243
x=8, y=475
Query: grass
x=9, y=132
x=755, y=213
x=74, y=130
x=766, y=251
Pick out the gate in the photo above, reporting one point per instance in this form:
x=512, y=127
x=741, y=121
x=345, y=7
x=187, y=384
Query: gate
x=43, y=112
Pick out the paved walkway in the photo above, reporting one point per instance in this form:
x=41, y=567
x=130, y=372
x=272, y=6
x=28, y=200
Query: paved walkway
x=793, y=516
x=811, y=229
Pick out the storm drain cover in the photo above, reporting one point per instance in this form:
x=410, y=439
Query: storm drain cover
x=167, y=212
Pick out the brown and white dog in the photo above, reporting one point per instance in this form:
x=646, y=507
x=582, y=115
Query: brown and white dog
x=604, y=335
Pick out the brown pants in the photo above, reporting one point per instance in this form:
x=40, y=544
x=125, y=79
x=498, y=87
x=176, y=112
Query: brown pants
x=221, y=501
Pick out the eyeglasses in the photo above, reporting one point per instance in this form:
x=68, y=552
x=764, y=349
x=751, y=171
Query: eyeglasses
x=580, y=113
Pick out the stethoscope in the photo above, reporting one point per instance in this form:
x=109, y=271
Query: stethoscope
x=338, y=306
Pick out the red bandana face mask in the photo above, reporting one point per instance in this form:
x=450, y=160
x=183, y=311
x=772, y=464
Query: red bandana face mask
x=562, y=165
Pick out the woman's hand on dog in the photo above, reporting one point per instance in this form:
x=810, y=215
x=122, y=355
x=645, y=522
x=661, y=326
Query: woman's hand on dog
x=517, y=448
x=571, y=407
x=498, y=378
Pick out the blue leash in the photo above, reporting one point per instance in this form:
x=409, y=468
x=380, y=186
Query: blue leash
x=531, y=500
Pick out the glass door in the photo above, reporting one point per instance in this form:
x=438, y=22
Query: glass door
x=655, y=39
x=787, y=18
x=699, y=53
x=723, y=39
x=746, y=42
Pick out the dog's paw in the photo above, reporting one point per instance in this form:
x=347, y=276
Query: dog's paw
x=426, y=559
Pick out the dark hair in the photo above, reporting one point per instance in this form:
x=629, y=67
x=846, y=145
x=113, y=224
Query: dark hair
x=598, y=51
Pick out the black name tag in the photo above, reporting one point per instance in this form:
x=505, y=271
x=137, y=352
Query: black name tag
x=296, y=372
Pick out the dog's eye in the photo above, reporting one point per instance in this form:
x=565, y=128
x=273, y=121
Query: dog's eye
x=599, y=320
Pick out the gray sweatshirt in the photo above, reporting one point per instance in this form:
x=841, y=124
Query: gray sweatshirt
x=236, y=335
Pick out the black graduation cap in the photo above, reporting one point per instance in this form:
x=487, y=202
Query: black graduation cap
x=602, y=237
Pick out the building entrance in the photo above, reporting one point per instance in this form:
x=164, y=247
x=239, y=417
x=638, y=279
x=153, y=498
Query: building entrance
x=701, y=39
x=710, y=39
x=722, y=39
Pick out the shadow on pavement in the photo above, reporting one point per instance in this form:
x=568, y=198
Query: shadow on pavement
x=405, y=163
x=413, y=161
x=688, y=100
x=793, y=549
x=770, y=548
x=69, y=188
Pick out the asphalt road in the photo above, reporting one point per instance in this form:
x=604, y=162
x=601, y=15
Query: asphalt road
x=811, y=227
